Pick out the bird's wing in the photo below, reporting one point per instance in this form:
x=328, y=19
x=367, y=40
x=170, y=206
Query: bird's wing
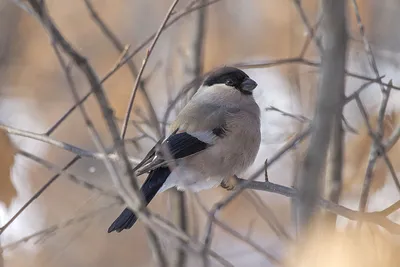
x=179, y=145
x=194, y=130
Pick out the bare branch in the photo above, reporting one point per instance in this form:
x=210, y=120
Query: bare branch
x=337, y=151
x=311, y=63
x=36, y=195
x=299, y=118
x=131, y=65
x=311, y=37
x=331, y=88
x=234, y=233
x=308, y=26
x=68, y=147
x=57, y=227
x=267, y=214
x=367, y=45
x=378, y=150
x=145, y=60
x=76, y=179
x=171, y=229
x=372, y=217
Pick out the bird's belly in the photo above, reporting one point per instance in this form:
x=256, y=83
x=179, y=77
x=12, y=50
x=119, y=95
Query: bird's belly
x=221, y=160
x=208, y=168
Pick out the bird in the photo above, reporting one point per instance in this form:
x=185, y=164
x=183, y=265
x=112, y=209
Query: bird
x=215, y=137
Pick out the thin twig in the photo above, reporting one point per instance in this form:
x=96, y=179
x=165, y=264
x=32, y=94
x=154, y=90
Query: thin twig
x=379, y=150
x=310, y=38
x=299, y=118
x=235, y=234
x=37, y=194
x=131, y=65
x=372, y=217
x=56, y=227
x=367, y=45
x=267, y=214
x=68, y=147
x=171, y=229
x=311, y=63
x=308, y=26
x=76, y=179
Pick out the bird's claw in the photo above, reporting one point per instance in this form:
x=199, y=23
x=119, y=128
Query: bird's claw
x=229, y=184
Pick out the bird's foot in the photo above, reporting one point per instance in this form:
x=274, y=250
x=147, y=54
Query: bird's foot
x=230, y=183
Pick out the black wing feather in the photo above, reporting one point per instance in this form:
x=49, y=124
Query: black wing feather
x=180, y=145
x=183, y=144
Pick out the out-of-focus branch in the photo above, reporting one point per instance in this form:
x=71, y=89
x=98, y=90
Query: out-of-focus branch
x=68, y=147
x=199, y=32
x=331, y=87
x=169, y=228
x=311, y=63
x=311, y=35
x=378, y=218
x=267, y=214
x=133, y=198
x=338, y=134
x=336, y=167
x=299, y=118
x=74, y=178
x=234, y=233
x=57, y=227
x=131, y=65
x=367, y=45
x=379, y=151
x=307, y=24
x=139, y=75
x=37, y=194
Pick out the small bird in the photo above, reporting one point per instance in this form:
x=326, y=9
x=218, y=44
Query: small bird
x=215, y=137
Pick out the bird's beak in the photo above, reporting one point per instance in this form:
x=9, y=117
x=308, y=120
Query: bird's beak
x=248, y=85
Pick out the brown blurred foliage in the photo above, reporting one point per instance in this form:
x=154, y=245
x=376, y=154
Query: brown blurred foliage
x=7, y=189
x=367, y=247
x=357, y=156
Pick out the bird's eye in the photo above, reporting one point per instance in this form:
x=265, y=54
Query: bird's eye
x=229, y=82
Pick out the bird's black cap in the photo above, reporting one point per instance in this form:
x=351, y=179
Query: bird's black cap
x=232, y=77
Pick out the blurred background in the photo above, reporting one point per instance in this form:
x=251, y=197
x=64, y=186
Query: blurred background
x=34, y=94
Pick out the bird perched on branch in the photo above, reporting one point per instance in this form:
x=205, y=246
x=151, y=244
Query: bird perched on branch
x=215, y=137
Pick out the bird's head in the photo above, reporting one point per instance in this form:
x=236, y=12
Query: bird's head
x=231, y=77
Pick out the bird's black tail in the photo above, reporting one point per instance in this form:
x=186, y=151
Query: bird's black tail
x=149, y=189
